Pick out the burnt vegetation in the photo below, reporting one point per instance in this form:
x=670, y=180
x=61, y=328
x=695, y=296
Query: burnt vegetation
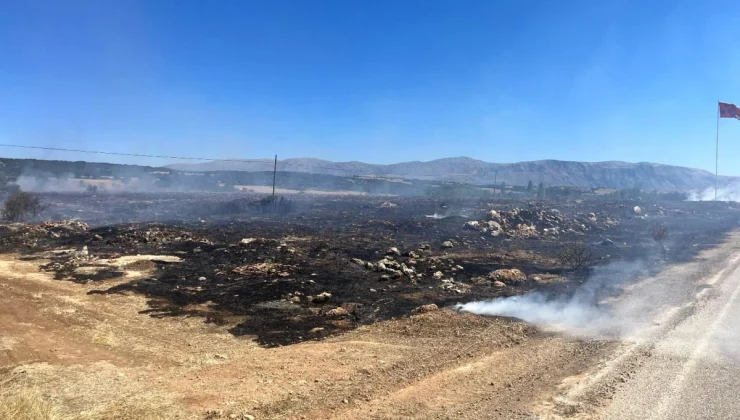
x=660, y=234
x=303, y=267
x=21, y=206
x=576, y=256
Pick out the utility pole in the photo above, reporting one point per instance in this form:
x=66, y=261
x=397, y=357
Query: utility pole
x=495, y=176
x=274, y=174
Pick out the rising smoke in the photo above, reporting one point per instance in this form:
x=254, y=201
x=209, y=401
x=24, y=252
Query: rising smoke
x=584, y=313
x=729, y=192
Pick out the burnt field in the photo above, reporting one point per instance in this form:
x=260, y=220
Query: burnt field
x=308, y=267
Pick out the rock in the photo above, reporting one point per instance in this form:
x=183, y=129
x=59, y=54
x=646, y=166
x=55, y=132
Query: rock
x=607, y=242
x=555, y=212
x=393, y=251
x=97, y=237
x=247, y=417
x=358, y=262
x=499, y=284
x=370, y=266
x=336, y=312
x=295, y=299
x=438, y=275
x=447, y=244
x=425, y=308
x=384, y=277
x=322, y=297
x=201, y=278
x=472, y=225
x=388, y=205
x=247, y=241
x=637, y=210
x=84, y=251
x=492, y=225
x=508, y=275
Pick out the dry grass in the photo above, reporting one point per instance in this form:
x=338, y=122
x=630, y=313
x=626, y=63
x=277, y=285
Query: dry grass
x=29, y=404
x=26, y=404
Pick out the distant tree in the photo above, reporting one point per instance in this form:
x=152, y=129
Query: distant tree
x=530, y=187
x=21, y=205
x=541, y=191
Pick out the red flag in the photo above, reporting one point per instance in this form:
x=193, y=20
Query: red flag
x=728, y=111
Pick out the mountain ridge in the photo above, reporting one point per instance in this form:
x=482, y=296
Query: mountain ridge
x=552, y=172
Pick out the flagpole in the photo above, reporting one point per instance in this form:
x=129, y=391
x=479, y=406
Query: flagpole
x=716, y=157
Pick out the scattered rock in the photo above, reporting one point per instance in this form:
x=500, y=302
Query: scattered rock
x=322, y=297
x=637, y=210
x=393, y=251
x=447, y=244
x=499, y=284
x=337, y=312
x=508, y=275
x=425, y=308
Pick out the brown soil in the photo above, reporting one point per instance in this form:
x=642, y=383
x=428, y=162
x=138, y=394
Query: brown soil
x=97, y=356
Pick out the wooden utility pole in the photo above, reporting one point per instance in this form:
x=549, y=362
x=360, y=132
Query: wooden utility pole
x=274, y=174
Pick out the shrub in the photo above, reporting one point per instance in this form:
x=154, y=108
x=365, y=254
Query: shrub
x=275, y=205
x=660, y=235
x=576, y=256
x=21, y=205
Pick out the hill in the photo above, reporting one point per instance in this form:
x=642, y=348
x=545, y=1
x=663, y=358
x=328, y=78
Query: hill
x=612, y=174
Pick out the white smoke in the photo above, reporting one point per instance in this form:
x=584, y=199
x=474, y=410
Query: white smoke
x=729, y=192
x=63, y=183
x=584, y=313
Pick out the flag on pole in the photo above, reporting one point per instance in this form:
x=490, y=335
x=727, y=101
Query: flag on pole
x=728, y=111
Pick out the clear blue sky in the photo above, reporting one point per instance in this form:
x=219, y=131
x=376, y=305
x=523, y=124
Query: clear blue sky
x=376, y=81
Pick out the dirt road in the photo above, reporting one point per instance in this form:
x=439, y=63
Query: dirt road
x=85, y=355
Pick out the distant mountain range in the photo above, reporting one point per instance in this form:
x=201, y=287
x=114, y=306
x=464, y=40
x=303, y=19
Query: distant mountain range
x=612, y=174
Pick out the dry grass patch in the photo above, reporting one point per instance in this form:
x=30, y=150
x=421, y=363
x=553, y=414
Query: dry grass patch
x=26, y=404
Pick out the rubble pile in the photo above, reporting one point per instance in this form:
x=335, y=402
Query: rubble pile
x=532, y=223
x=28, y=235
x=417, y=265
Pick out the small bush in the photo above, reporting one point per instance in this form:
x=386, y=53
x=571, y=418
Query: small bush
x=275, y=205
x=21, y=205
x=660, y=234
x=576, y=256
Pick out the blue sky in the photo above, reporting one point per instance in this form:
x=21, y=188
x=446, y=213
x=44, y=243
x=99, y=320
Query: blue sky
x=375, y=81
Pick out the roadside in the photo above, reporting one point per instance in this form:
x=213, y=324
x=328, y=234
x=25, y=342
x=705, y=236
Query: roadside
x=104, y=356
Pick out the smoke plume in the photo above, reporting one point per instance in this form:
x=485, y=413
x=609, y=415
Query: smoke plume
x=585, y=312
x=729, y=192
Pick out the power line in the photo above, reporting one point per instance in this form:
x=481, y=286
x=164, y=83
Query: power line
x=58, y=149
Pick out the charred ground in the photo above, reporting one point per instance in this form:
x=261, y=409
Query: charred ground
x=329, y=264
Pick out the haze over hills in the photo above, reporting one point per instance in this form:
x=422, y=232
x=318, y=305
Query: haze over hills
x=611, y=174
